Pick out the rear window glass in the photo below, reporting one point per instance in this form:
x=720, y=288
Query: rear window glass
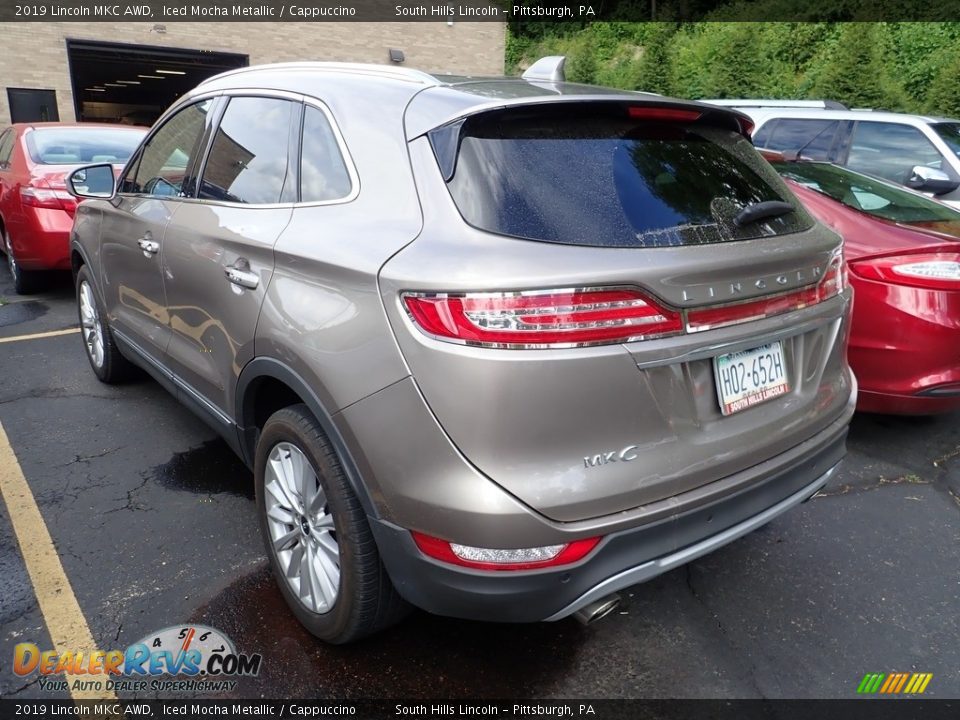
x=76, y=146
x=595, y=176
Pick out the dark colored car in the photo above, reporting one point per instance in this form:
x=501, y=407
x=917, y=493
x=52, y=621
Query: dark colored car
x=36, y=211
x=904, y=257
x=495, y=348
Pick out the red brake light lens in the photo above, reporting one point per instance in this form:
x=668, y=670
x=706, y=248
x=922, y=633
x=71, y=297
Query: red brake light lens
x=498, y=559
x=663, y=114
x=562, y=318
x=47, y=193
x=929, y=270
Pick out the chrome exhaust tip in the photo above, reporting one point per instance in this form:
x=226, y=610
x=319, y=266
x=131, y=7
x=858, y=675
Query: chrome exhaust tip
x=589, y=614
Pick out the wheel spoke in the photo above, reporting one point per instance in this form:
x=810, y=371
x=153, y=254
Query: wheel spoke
x=285, y=542
x=324, y=522
x=329, y=547
x=281, y=514
x=329, y=577
x=296, y=561
x=279, y=471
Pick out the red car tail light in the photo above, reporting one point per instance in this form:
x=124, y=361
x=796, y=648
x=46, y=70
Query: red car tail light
x=928, y=270
x=542, y=319
x=831, y=284
x=49, y=194
x=499, y=559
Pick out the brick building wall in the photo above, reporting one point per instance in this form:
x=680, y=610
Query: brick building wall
x=34, y=55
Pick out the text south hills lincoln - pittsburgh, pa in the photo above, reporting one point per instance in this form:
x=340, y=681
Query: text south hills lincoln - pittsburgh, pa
x=480, y=10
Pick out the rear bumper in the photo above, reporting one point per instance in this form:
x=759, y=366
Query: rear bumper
x=622, y=559
x=904, y=350
x=42, y=242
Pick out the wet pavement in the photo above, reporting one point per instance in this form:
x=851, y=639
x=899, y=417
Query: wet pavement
x=154, y=523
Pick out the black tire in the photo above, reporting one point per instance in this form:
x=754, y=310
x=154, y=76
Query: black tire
x=24, y=281
x=366, y=600
x=113, y=367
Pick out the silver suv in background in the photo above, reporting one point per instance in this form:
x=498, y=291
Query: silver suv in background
x=917, y=151
x=494, y=348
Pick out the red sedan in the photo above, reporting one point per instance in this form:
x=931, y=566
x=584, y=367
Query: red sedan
x=903, y=253
x=36, y=211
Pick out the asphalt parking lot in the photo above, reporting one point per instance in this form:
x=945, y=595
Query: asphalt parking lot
x=153, y=521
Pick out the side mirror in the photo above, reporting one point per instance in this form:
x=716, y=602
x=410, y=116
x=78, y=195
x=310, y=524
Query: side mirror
x=931, y=180
x=92, y=181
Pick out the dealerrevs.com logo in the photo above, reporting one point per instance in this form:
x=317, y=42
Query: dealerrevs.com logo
x=204, y=656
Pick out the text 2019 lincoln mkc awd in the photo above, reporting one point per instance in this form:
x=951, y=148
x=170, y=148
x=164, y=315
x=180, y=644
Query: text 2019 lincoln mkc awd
x=494, y=348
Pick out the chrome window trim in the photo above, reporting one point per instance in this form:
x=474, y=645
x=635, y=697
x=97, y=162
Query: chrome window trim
x=267, y=93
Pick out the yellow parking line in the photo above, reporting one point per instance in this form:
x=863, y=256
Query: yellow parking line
x=65, y=621
x=37, y=336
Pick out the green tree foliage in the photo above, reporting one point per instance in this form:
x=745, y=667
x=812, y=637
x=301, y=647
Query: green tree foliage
x=944, y=95
x=911, y=67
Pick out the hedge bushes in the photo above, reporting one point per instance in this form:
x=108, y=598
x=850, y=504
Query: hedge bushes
x=911, y=67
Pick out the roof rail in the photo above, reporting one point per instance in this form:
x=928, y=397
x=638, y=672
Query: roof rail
x=547, y=69
x=796, y=104
x=385, y=71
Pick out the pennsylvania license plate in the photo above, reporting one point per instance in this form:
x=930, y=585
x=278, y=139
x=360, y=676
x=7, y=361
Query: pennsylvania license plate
x=750, y=377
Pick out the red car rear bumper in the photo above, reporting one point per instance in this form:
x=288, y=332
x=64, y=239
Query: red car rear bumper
x=905, y=348
x=42, y=241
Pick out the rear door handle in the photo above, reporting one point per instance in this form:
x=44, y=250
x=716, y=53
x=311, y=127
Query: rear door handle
x=149, y=247
x=240, y=274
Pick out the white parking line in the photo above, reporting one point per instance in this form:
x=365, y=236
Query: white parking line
x=61, y=612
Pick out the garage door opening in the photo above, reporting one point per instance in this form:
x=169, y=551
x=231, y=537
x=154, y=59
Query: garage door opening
x=134, y=84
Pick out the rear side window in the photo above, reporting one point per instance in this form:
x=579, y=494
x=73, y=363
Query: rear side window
x=595, y=176
x=323, y=173
x=6, y=146
x=249, y=159
x=813, y=137
x=891, y=150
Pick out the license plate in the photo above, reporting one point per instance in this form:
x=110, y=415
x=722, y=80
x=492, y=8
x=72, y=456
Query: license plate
x=750, y=377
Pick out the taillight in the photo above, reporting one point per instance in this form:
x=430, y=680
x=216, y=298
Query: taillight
x=832, y=283
x=504, y=559
x=577, y=318
x=42, y=193
x=541, y=319
x=929, y=270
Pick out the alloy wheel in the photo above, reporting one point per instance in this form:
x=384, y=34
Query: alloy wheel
x=302, y=532
x=92, y=328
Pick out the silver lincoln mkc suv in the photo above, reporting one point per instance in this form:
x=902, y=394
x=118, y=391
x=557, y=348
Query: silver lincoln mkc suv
x=496, y=348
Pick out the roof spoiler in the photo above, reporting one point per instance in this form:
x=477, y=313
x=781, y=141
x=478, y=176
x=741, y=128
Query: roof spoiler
x=547, y=69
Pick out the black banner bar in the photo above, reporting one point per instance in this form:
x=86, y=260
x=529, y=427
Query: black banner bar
x=564, y=11
x=860, y=709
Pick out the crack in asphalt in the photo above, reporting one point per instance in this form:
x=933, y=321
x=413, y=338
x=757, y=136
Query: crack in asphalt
x=130, y=500
x=940, y=461
x=752, y=672
x=87, y=458
x=59, y=394
x=846, y=489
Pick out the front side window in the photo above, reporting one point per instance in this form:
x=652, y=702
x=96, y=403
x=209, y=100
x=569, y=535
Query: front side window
x=248, y=161
x=891, y=150
x=596, y=175
x=164, y=164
